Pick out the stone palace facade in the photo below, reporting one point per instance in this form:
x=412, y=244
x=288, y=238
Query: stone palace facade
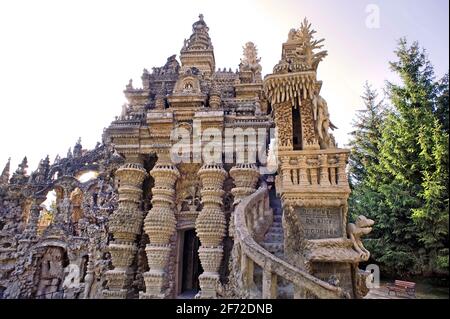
x=183, y=199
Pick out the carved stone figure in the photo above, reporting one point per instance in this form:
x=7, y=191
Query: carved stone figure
x=251, y=63
x=361, y=227
x=322, y=121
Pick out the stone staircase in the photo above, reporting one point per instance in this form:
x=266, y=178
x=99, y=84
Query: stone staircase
x=263, y=271
x=274, y=242
x=274, y=238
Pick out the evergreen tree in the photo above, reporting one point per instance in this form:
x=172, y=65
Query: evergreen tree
x=365, y=139
x=405, y=187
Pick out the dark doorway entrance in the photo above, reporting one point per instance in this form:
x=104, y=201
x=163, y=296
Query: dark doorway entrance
x=191, y=263
x=297, y=139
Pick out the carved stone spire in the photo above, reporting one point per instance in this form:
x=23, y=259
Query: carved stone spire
x=250, y=68
x=198, y=50
x=299, y=52
x=19, y=176
x=4, y=178
x=77, y=149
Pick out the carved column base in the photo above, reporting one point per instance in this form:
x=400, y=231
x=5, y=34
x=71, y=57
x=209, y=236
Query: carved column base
x=211, y=259
x=154, y=280
x=158, y=257
x=117, y=281
x=209, y=284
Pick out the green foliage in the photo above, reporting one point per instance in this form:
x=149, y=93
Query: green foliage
x=399, y=167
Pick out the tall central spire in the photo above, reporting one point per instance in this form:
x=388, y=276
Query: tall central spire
x=198, y=50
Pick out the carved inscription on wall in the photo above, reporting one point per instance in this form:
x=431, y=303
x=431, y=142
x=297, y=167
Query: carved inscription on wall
x=323, y=222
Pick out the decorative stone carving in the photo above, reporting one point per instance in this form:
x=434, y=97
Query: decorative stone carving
x=283, y=118
x=250, y=68
x=362, y=226
x=210, y=227
x=160, y=225
x=322, y=122
x=299, y=51
x=125, y=225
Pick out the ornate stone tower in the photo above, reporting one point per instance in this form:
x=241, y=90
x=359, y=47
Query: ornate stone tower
x=198, y=50
x=312, y=179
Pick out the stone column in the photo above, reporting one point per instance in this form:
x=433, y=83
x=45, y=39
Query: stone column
x=160, y=225
x=303, y=174
x=125, y=224
x=324, y=175
x=210, y=227
x=342, y=174
x=245, y=178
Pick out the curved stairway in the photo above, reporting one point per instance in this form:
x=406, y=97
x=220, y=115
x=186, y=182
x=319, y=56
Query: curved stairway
x=256, y=221
x=274, y=238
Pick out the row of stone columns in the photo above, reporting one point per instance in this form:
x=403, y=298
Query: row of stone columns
x=160, y=223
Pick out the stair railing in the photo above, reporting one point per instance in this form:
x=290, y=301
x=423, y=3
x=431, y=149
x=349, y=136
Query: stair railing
x=253, y=217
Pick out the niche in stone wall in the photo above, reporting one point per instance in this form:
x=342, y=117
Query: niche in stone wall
x=296, y=129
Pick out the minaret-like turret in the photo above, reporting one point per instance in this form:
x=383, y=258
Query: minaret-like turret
x=4, y=178
x=78, y=149
x=198, y=50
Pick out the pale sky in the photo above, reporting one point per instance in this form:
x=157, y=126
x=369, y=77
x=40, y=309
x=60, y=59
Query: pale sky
x=64, y=64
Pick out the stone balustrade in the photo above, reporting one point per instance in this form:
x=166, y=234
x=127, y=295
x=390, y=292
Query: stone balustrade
x=314, y=168
x=251, y=217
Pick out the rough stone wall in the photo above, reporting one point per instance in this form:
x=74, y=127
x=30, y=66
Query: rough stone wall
x=23, y=249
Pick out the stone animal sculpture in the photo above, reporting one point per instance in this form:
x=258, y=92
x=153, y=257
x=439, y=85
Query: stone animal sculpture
x=362, y=226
